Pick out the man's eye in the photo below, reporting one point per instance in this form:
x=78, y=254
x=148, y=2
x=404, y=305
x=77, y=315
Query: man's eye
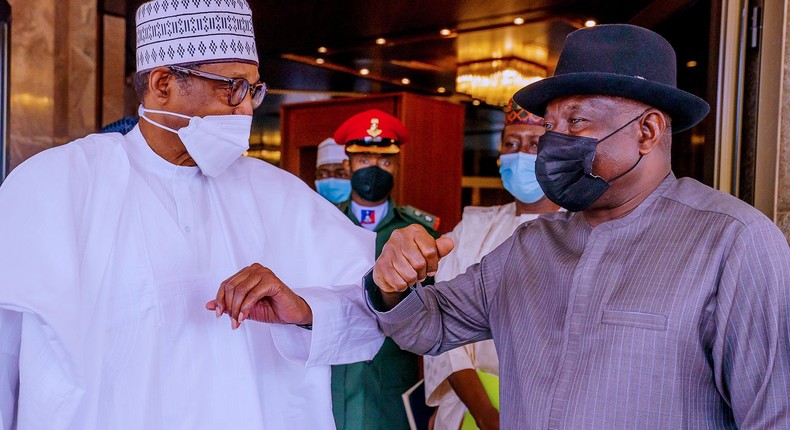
x=548, y=126
x=575, y=120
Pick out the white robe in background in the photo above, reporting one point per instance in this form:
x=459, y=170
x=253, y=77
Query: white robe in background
x=108, y=254
x=480, y=231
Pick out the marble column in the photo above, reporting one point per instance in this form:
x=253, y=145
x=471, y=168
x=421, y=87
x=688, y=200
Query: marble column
x=53, y=74
x=783, y=174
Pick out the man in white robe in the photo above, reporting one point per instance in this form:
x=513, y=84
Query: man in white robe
x=117, y=251
x=452, y=383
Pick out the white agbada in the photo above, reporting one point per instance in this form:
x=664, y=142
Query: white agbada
x=480, y=231
x=109, y=254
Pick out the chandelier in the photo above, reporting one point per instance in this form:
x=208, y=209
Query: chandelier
x=494, y=64
x=494, y=81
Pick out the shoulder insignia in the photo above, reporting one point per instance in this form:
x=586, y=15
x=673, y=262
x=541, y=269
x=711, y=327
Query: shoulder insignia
x=418, y=216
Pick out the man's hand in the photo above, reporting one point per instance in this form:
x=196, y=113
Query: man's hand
x=409, y=256
x=256, y=293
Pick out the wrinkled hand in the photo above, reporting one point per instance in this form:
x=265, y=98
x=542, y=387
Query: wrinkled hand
x=256, y=293
x=409, y=256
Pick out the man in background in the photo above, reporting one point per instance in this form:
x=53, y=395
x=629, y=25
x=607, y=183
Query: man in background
x=368, y=395
x=331, y=177
x=461, y=381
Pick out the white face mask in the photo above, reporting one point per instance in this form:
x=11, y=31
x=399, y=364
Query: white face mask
x=213, y=141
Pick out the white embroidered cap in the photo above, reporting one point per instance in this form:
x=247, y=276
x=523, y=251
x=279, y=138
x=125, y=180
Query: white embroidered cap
x=172, y=32
x=330, y=152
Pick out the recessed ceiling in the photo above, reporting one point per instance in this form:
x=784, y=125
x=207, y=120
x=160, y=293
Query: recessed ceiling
x=289, y=35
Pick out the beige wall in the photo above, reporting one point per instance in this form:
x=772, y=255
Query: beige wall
x=114, y=62
x=783, y=172
x=53, y=74
x=783, y=197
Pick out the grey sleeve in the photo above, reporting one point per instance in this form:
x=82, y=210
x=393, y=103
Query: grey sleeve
x=432, y=319
x=751, y=354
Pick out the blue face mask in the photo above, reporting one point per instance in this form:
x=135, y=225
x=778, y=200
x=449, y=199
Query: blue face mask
x=518, y=176
x=335, y=190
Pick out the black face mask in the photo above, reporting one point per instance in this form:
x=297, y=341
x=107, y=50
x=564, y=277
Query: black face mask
x=372, y=183
x=564, y=169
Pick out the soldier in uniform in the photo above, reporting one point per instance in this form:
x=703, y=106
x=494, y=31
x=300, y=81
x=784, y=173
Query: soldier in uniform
x=367, y=395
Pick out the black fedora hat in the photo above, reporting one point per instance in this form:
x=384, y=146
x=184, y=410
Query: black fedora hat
x=618, y=60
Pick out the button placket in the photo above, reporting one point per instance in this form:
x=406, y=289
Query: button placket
x=578, y=311
x=184, y=205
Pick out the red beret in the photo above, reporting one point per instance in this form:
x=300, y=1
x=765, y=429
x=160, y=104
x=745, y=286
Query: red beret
x=372, y=131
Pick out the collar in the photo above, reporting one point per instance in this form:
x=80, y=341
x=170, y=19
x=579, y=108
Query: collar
x=667, y=183
x=143, y=157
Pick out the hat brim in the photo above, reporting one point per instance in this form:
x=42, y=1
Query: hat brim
x=372, y=149
x=685, y=109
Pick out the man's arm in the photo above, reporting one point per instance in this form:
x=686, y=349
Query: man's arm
x=323, y=316
x=431, y=319
x=751, y=352
x=469, y=389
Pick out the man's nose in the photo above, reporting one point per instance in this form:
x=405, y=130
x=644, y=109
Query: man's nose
x=245, y=107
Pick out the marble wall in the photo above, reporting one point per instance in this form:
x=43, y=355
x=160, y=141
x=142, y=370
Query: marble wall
x=53, y=74
x=113, y=70
x=783, y=179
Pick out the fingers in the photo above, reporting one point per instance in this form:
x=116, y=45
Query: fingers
x=414, y=261
x=239, y=295
x=264, y=288
x=409, y=256
x=427, y=247
x=388, y=280
x=236, y=293
x=444, y=245
x=220, y=298
x=254, y=278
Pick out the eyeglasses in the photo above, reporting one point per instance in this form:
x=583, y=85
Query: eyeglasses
x=237, y=87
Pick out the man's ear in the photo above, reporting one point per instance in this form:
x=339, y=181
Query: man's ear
x=160, y=85
x=651, y=130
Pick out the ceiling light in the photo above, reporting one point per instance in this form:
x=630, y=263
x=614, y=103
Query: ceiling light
x=476, y=102
x=405, y=81
x=691, y=63
x=364, y=71
x=590, y=23
x=319, y=60
x=495, y=82
x=441, y=90
x=381, y=41
x=322, y=49
x=518, y=21
x=445, y=32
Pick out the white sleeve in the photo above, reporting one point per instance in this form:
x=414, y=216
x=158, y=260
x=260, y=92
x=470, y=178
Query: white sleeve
x=449, y=265
x=343, y=330
x=322, y=256
x=10, y=335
